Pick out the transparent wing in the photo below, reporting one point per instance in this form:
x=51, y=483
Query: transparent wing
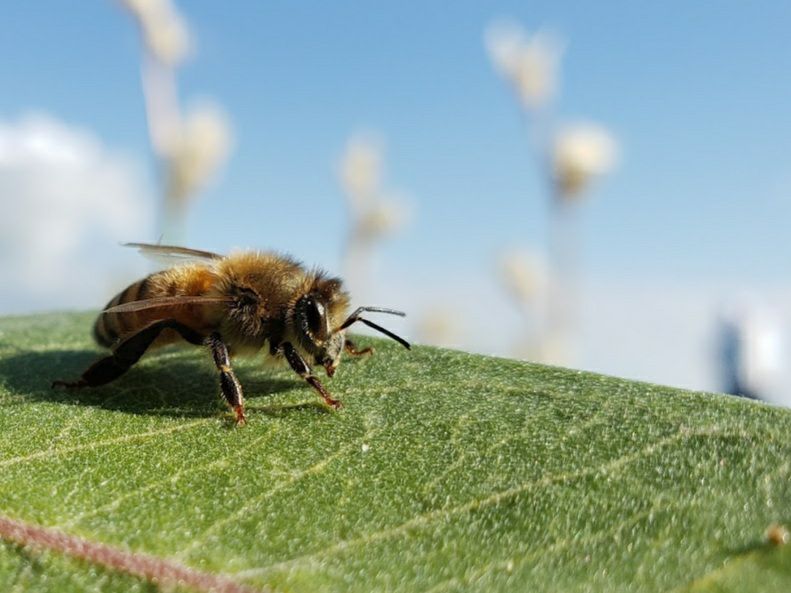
x=173, y=254
x=174, y=301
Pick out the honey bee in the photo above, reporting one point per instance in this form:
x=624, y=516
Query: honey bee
x=232, y=305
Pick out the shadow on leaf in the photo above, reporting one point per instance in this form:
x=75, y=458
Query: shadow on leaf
x=173, y=386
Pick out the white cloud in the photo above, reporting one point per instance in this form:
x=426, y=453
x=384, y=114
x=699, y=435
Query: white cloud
x=67, y=201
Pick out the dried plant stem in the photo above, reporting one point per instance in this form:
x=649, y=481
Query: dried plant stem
x=158, y=570
x=160, y=93
x=163, y=114
x=555, y=328
x=358, y=264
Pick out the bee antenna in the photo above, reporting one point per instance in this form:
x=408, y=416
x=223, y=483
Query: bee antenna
x=355, y=317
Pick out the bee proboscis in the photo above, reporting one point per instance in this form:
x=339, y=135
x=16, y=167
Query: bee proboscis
x=234, y=304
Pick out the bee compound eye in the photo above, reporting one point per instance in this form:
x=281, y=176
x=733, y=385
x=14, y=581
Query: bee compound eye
x=316, y=317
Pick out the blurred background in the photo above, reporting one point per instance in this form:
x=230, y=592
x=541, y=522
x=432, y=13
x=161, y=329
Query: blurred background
x=606, y=188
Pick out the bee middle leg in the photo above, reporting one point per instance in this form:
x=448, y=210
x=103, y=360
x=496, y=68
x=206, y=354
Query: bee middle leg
x=302, y=368
x=126, y=354
x=229, y=384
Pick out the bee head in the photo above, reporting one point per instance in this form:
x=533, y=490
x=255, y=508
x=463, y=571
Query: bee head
x=312, y=326
x=318, y=327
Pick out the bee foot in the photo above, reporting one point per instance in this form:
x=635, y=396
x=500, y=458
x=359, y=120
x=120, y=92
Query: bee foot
x=351, y=348
x=241, y=417
x=335, y=404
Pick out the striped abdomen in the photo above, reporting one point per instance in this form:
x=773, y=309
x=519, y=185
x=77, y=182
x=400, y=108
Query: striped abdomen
x=109, y=327
x=186, y=280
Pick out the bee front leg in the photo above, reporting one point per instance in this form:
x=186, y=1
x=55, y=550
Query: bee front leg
x=351, y=348
x=229, y=384
x=302, y=369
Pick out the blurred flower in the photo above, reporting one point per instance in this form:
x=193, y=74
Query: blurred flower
x=199, y=146
x=375, y=213
x=164, y=31
x=579, y=153
x=570, y=157
x=526, y=279
x=380, y=219
x=439, y=326
x=361, y=169
x=524, y=276
x=190, y=147
x=528, y=61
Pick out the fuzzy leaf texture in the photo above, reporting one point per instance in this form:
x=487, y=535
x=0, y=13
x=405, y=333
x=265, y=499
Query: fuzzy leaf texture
x=444, y=472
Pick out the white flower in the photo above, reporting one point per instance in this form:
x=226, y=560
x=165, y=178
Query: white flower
x=579, y=152
x=528, y=62
x=524, y=275
x=361, y=170
x=382, y=218
x=440, y=325
x=164, y=31
x=199, y=146
x=375, y=213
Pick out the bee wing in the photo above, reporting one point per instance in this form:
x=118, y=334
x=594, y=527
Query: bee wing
x=171, y=301
x=173, y=254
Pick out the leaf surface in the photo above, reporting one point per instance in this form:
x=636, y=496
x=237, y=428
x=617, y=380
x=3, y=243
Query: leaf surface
x=444, y=472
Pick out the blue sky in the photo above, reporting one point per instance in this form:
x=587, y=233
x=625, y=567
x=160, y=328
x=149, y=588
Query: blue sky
x=698, y=94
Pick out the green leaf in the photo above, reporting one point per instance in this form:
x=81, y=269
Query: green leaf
x=444, y=472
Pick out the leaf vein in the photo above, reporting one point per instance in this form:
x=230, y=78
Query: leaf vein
x=425, y=519
x=52, y=453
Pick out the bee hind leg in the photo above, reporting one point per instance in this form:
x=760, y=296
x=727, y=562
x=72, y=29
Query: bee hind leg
x=126, y=354
x=302, y=369
x=229, y=384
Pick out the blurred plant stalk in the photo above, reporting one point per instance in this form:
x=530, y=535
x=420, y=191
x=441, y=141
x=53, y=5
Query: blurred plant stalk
x=374, y=213
x=438, y=325
x=750, y=352
x=579, y=153
x=524, y=276
x=190, y=146
x=568, y=158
